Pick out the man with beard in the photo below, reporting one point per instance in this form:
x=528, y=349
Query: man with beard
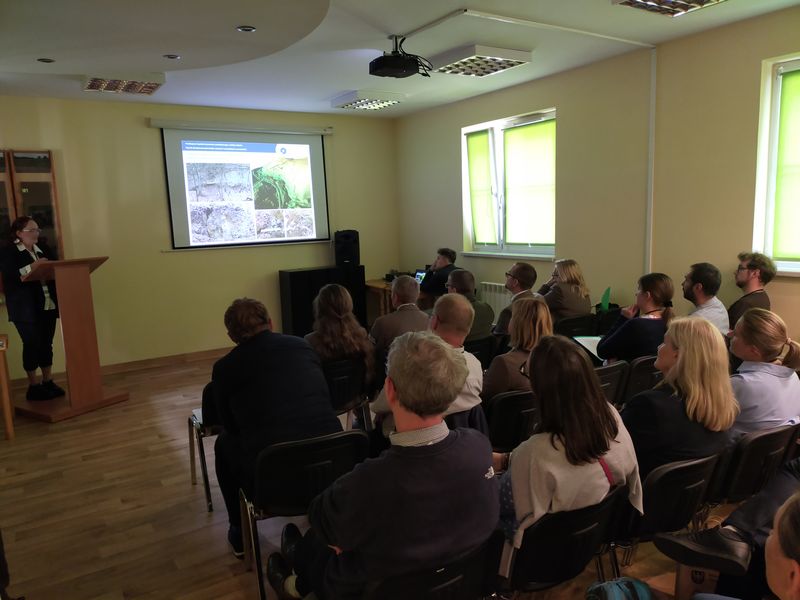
x=754, y=272
x=700, y=287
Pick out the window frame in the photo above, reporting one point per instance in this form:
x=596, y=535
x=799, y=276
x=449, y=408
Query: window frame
x=501, y=248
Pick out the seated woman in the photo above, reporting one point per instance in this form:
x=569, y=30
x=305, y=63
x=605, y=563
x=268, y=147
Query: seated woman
x=337, y=334
x=689, y=413
x=580, y=451
x=641, y=326
x=566, y=293
x=765, y=385
x=530, y=321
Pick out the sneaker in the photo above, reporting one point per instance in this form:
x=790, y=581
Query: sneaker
x=720, y=549
x=290, y=536
x=53, y=389
x=277, y=574
x=36, y=392
x=235, y=540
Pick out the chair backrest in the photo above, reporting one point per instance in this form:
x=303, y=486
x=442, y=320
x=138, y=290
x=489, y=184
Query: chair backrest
x=583, y=325
x=474, y=418
x=559, y=545
x=793, y=448
x=756, y=458
x=459, y=579
x=483, y=349
x=605, y=319
x=291, y=474
x=672, y=495
x=514, y=417
x=613, y=380
x=345, y=383
x=642, y=376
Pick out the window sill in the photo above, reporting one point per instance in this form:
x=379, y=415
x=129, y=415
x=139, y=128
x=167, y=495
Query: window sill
x=506, y=255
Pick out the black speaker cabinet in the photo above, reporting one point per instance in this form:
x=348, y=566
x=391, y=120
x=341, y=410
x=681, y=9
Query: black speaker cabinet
x=299, y=287
x=345, y=247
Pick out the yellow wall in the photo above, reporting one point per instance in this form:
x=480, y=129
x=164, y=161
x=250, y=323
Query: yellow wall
x=705, y=161
x=150, y=301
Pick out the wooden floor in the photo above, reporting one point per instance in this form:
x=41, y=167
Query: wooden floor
x=101, y=507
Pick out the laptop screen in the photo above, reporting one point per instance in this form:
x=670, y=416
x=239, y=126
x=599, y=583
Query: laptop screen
x=419, y=275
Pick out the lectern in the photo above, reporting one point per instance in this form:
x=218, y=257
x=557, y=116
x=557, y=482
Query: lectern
x=76, y=310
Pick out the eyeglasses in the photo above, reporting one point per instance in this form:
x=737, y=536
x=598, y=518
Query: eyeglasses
x=510, y=275
x=744, y=268
x=37, y=230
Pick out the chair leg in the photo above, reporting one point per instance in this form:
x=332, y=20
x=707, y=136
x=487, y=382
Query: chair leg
x=191, y=451
x=247, y=532
x=262, y=592
x=615, y=571
x=598, y=566
x=203, y=467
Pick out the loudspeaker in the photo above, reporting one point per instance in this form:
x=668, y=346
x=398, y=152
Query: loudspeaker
x=345, y=247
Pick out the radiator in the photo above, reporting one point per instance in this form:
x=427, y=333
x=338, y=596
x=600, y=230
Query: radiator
x=495, y=295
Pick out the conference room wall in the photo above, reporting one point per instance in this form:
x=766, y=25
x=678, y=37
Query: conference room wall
x=150, y=301
x=706, y=136
x=601, y=172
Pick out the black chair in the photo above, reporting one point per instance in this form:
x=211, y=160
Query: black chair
x=605, y=319
x=483, y=349
x=584, y=325
x=502, y=343
x=474, y=418
x=346, y=380
x=642, y=376
x=613, y=380
x=513, y=419
x=793, y=449
x=289, y=476
x=672, y=495
x=459, y=579
x=559, y=545
x=197, y=432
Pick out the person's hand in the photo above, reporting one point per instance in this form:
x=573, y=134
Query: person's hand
x=630, y=311
x=336, y=549
x=552, y=281
x=42, y=259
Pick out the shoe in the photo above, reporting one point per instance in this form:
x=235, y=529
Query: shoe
x=53, y=389
x=289, y=538
x=719, y=549
x=235, y=540
x=36, y=392
x=277, y=572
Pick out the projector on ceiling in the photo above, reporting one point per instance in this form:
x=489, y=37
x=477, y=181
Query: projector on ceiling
x=395, y=65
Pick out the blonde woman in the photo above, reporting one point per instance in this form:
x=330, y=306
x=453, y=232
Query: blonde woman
x=765, y=384
x=689, y=414
x=530, y=322
x=566, y=293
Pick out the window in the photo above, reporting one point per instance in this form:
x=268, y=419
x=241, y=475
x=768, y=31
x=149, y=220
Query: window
x=778, y=193
x=509, y=185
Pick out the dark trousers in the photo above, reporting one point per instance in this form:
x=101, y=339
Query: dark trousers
x=37, y=340
x=310, y=560
x=210, y=413
x=234, y=470
x=4, y=579
x=753, y=520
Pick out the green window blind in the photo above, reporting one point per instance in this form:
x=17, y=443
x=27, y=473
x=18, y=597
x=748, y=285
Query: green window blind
x=785, y=241
x=482, y=202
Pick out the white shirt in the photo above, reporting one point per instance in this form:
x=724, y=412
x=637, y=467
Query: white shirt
x=714, y=310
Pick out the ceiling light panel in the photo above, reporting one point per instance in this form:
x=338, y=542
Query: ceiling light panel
x=479, y=61
x=367, y=100
x=143, y=84
x=670, y=8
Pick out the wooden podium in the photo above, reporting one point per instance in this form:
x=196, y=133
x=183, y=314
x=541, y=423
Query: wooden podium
x=86, y=391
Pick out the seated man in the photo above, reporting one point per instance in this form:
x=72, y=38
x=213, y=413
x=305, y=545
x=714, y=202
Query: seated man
x=520, y=278
x=435, y=278
x=406, y=317
x=451, y=321
x=270, y=388
x=736, y=549
x=462, y=282
x=700, y=287
x=754, y=272
x=428, y=500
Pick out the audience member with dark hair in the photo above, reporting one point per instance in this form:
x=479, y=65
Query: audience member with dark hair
x=580, y=451
x=429, y=498
x=520, y=278
x=689, y=414
x=530, y=322
x=641, y=326
x=566, y=293
x=765, y=385
x=32, y=306
x=462, y=282
x=436, y=277
x=700, y=287
x=270, y=388
x=337, y=334
x=754, y=272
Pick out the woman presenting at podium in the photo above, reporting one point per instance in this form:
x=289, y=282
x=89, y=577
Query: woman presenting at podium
x=32, y=306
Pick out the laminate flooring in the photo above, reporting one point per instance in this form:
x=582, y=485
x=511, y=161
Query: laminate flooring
x=101, y=507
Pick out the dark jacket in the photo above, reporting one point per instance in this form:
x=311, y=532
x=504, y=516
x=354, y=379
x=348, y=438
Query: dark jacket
x=564, y=301
x=24, y=300
x=632, y=338
x=434, y=281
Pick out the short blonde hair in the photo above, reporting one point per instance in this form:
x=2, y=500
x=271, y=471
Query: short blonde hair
x=569, y=271
x=530, y=322
x=701, y=373
x=767, y=331
x=454, y=313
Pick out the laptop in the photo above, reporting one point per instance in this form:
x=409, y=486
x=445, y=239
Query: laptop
x=419, y=275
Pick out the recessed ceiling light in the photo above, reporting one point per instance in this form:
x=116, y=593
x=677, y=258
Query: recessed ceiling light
x=367, y=100
x=479, y=61
x=246, y=28
x=670, y=8
x=142, y=83
x=172, y=56
x=46, y=60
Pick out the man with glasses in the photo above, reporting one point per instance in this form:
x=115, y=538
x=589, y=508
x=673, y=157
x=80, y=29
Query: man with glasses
x=754, y=272
x=520, y=278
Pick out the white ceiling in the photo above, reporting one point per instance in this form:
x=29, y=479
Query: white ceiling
x=304, y=53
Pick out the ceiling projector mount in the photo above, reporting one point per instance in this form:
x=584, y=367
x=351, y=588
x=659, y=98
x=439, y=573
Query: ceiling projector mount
x=398, y=63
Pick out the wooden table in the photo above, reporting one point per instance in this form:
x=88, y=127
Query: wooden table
x=5, y=393
x=383, y=291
